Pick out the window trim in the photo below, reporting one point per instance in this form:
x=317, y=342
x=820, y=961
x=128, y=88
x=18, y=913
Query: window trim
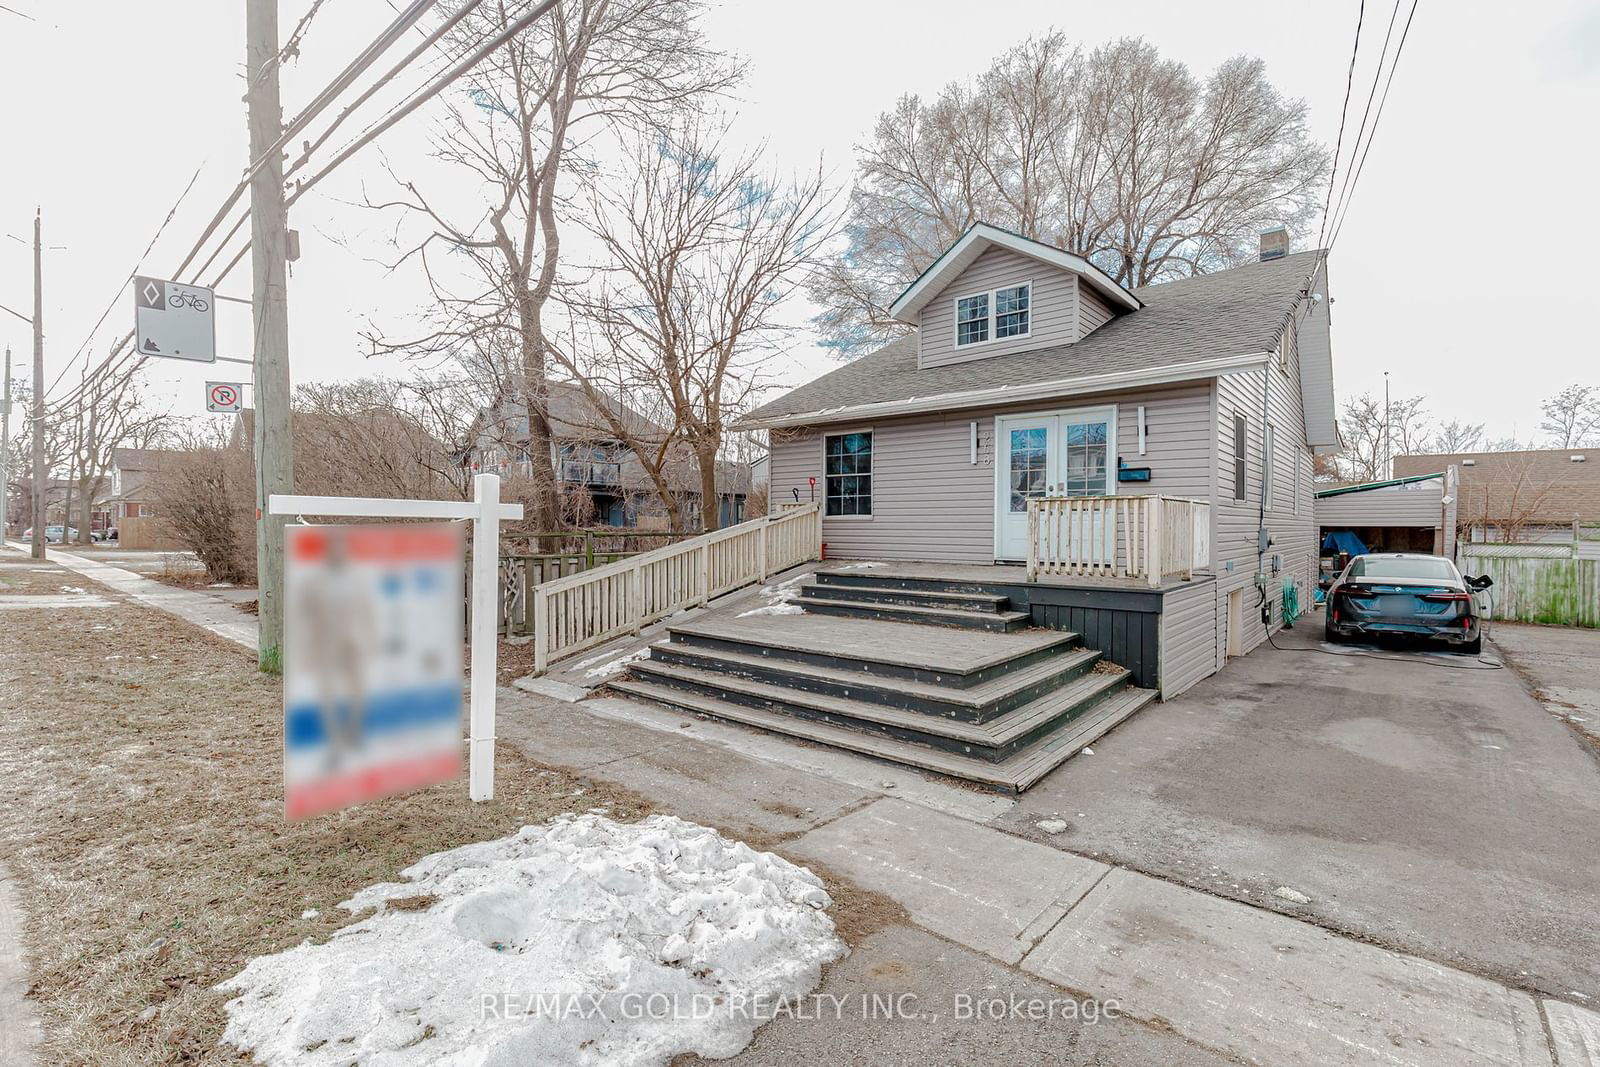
x=871, y=493
x=1241, y=456
x=993, y=316
x=1269, y=446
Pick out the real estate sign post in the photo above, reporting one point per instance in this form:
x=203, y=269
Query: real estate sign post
x=372, y=671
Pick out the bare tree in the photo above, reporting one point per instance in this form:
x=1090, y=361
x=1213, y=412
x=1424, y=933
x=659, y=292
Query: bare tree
x=1120, y=156
x=1572, y=417
x=587, y=63
x=1456, y=436
x=1372, y=437
x=110, y=412
x=703, y=249
x=1510, y=499
x=380, y=437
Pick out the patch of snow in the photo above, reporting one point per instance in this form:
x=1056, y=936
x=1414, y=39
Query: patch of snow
x=220, y=585
x=1293, y=896
x=1087, y=751
x=580, y=941
x=310, y=913
x=781, y=599
x=859, y=566
x=613, y=666
x=1052, y=826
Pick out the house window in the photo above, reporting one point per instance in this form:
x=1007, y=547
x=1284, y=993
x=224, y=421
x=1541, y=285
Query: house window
x=972, y=319
x=1011, y=312
x=1241, y=453
x=1000, y=313
x=1269, y=445
x=848, y=474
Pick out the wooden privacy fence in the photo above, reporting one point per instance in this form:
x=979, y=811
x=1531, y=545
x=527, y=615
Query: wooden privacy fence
x=1145, y=537
x=1548, y=583
x=586, y=609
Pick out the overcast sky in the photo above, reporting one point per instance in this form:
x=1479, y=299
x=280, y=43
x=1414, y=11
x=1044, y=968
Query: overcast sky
x=1463, y=269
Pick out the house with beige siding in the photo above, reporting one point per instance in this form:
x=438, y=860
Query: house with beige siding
x=1131, y=464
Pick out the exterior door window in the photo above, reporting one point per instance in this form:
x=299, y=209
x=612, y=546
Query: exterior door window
x=1030, y=470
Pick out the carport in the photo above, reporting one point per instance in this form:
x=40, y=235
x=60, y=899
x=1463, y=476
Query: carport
x=1416, y=514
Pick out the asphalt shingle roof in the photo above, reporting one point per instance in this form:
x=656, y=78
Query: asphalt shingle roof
x=1234, y=312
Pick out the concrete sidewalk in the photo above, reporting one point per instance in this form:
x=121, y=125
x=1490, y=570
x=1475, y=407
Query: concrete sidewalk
x=209, y=613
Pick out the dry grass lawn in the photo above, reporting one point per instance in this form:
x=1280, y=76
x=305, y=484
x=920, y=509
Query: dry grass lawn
x=141, y=815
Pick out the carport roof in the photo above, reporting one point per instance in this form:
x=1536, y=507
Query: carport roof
x=1376, y=485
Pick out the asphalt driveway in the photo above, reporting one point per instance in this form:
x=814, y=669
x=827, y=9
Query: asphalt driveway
x=1412, y=801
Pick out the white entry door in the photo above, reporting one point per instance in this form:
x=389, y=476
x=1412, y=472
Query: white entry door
x=1064, y=453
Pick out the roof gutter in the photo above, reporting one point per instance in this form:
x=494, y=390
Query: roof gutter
x=1012, y=394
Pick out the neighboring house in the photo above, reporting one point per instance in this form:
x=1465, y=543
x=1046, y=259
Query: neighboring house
x=1527, y=495
x=1410, y=514
x=1031, y=373
x=133, y=476
x=591, y=460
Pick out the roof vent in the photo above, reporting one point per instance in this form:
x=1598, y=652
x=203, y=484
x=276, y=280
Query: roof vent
x=1469, y=463
x=1579, y=458
x=1274, y=244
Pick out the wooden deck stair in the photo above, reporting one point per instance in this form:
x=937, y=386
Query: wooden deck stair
x=889, y=671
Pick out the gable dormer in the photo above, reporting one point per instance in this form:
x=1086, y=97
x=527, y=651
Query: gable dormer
x=993, y=293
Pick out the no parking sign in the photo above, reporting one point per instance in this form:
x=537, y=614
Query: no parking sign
x=223, y=396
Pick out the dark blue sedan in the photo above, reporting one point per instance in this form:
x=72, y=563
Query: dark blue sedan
x=1405, y=594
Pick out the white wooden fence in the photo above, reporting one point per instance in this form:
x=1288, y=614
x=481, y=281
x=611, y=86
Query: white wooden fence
x=577, y=612
x=1142, y=537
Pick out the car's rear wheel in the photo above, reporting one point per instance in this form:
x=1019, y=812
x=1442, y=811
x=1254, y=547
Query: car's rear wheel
x=1330, y=635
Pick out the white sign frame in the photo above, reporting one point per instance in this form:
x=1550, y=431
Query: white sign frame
x=169, y=317
x=213, y=405
x=486, y=511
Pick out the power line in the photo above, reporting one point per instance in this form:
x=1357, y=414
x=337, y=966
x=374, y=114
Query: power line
x=1383, y=53
x=344, y=113
x=398, y=113
x=1338, y=144
x=340, y=83
x=137, y=264
x=1381, y=101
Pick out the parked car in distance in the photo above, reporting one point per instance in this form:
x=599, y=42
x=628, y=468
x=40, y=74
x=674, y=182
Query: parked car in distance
x=1405, y=594
x=53, y=535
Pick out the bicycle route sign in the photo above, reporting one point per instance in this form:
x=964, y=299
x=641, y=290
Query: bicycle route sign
x=223, y=396
x=174, y=321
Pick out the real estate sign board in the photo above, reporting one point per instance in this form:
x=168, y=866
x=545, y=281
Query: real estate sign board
x=372, y=681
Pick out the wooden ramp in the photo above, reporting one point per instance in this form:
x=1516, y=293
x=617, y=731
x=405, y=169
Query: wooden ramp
x=947, y=680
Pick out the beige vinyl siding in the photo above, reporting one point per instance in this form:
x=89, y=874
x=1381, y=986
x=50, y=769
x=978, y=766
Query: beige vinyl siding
x=1052, y=308
x=1412, y=504
x=1093, y=311
x=932, y=503
x=1189, y=630
x=1289, y=515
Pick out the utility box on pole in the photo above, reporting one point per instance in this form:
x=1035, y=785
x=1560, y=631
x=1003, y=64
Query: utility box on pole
x=274, y=457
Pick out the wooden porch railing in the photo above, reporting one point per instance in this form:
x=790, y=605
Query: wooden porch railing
x=1141, y=537
x=582, y=610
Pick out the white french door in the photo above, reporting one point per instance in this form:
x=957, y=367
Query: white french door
x=1059, y=453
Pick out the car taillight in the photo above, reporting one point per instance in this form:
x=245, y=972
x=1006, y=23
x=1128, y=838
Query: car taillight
x=1446, y=596
x=1359, y=592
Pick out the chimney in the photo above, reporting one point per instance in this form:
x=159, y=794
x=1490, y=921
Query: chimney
x=1274, y=244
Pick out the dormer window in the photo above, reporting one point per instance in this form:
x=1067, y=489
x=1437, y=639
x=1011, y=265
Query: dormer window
x=995, y=315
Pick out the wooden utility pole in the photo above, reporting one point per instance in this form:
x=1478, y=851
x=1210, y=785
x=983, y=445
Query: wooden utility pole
x=269, y=236
x=39, y=489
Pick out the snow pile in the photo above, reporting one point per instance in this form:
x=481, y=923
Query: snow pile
x=615, y=665
x=781, y=599
x=580, y=941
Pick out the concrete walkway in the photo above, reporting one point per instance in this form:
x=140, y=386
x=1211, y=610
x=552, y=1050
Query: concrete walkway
x=206, y=612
